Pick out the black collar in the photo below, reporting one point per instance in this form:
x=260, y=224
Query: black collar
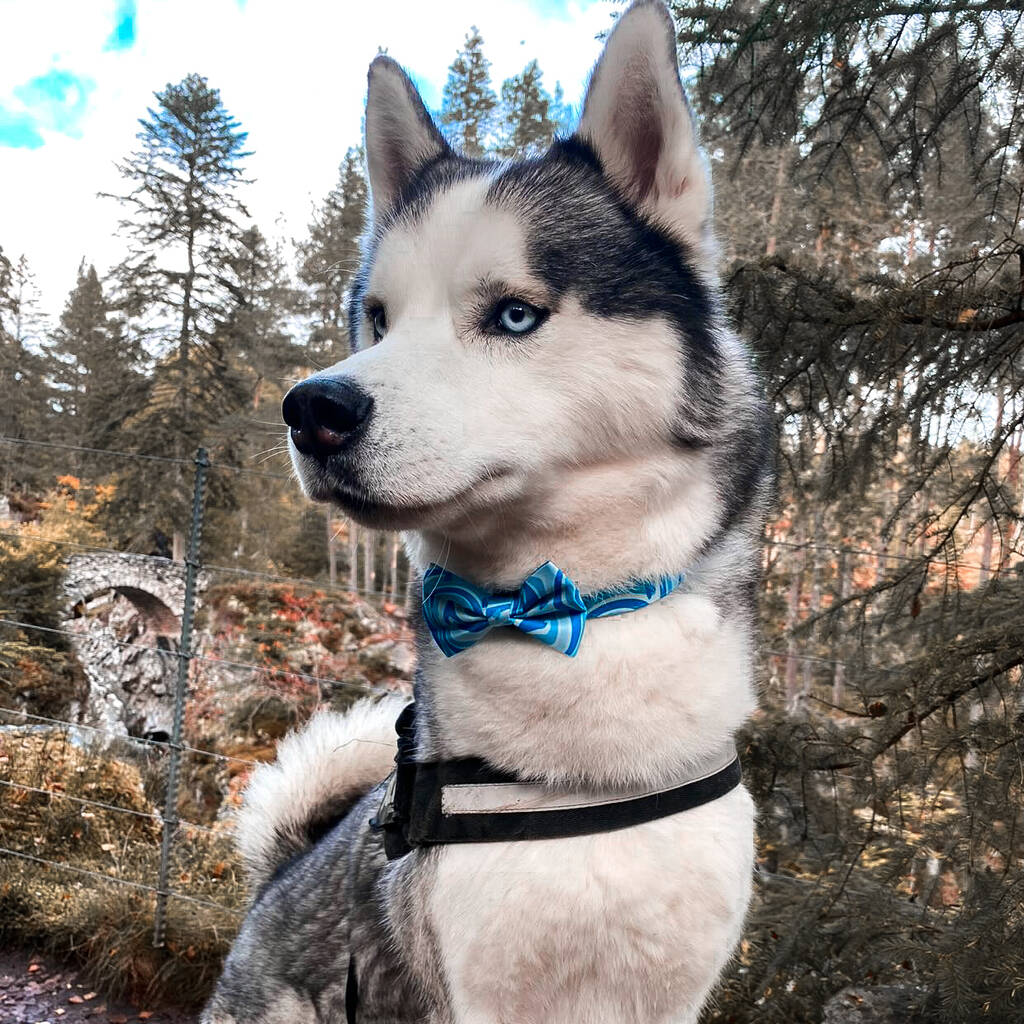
x=468, y=801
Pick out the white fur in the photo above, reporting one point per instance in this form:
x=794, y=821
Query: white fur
x=334, y=758
x=650, y=694
x=620, y=928
x=630, y=926
x=559, y=447
x=513, y=455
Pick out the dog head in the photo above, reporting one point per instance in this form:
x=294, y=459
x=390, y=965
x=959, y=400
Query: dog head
x=523, y=328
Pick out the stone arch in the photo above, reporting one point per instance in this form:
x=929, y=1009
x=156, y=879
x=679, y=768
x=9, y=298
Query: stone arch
x=140, y=578
x=124, y=612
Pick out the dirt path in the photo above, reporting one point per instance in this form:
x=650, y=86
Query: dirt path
x=37, y=990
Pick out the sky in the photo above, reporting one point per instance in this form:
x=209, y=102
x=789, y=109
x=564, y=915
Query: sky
x=76, y=75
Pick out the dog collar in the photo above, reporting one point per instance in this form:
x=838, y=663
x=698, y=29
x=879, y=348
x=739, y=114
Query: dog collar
x=468, y=801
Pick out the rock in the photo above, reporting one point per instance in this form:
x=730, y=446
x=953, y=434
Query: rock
x=363, y=621
x=387, y=658
x=886, y=1004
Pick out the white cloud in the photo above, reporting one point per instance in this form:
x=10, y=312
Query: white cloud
x=293, y=73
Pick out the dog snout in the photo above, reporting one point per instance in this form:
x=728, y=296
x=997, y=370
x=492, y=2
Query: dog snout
x=324, y=413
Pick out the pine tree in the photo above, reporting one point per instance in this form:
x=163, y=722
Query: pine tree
x=184, y=224
x=96, y=369
x=527, y=125
x=244, y=521
x=25, y=412
x=869, y=194
x=469, y=103
x=264, y=301
x=329, y=257
x=28, y=323
x=561, y=113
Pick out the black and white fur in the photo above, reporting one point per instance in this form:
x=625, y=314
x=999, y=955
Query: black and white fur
x=622, y=438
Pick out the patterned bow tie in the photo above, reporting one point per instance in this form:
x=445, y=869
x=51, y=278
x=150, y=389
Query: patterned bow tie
x=548, y=607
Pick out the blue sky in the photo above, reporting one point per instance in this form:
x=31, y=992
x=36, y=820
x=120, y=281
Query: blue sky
x=75, y=75
x=122, y=36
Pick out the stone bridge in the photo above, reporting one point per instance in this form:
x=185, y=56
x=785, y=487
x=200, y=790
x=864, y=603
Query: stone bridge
x=155, y=585
x=125, y=613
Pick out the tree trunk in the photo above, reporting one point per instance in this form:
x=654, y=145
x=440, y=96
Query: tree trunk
x=839, y=671
x=781, y=169
x=818, y=557
x=369, y=561
x=792, y=618
x=988, y=530
x=332, y=553
x=393, y=567
x=353, y=556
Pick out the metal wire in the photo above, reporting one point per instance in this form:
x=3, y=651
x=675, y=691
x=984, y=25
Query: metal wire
x=227, y=467
x=223, y=569
x=127, y=739
x=121, y=881
x=60, y=542
x=151, y=815
x=95, y=451
x=294, y=581
x=826, y=661
x=836, y=550
x=379, y=691
x=140, y=457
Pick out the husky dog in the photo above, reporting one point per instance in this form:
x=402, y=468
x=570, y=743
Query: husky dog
x=543, y=373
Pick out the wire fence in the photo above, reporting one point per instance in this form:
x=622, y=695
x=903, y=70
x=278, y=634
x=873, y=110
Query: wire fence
x=54, y=788
x=238, y=666
x=207, y=568
x=114, y=879
x=189, y=654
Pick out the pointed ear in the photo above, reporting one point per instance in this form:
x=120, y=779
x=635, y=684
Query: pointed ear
x=637, y=120
x=401, y=136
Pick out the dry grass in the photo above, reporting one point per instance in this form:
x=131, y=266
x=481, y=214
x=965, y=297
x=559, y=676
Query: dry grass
x=102, y=923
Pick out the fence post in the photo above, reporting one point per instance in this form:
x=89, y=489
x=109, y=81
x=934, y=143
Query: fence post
x=170, y=816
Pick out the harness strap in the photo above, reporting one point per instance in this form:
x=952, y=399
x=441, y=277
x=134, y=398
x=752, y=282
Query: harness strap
x=351, y=992
x=468, y=801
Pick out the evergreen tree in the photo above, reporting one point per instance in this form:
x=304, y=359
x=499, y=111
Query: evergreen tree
x=527, y=125
x=96, y=369
x=869, y=194
x=329, y=257
x=184, y=226
x=264, y=301
x=24, y=410
x=28, y=323
x=257, y=335
x=561, y=113
x=469, y=104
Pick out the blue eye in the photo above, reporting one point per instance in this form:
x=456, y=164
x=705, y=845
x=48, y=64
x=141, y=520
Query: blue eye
x=517, y=317
x=379, y=320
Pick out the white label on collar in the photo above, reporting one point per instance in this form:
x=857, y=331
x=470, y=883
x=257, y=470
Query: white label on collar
x=517, y=797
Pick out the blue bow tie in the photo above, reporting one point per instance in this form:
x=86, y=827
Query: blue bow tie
x=548, y=607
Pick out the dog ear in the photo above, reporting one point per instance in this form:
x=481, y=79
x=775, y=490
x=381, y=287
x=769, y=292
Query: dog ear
x=636, y=118
x=401, y=136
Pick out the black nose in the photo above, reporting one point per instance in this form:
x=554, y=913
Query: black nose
x=324, y=413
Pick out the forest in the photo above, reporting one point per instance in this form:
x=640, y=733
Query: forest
x=869, y=203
